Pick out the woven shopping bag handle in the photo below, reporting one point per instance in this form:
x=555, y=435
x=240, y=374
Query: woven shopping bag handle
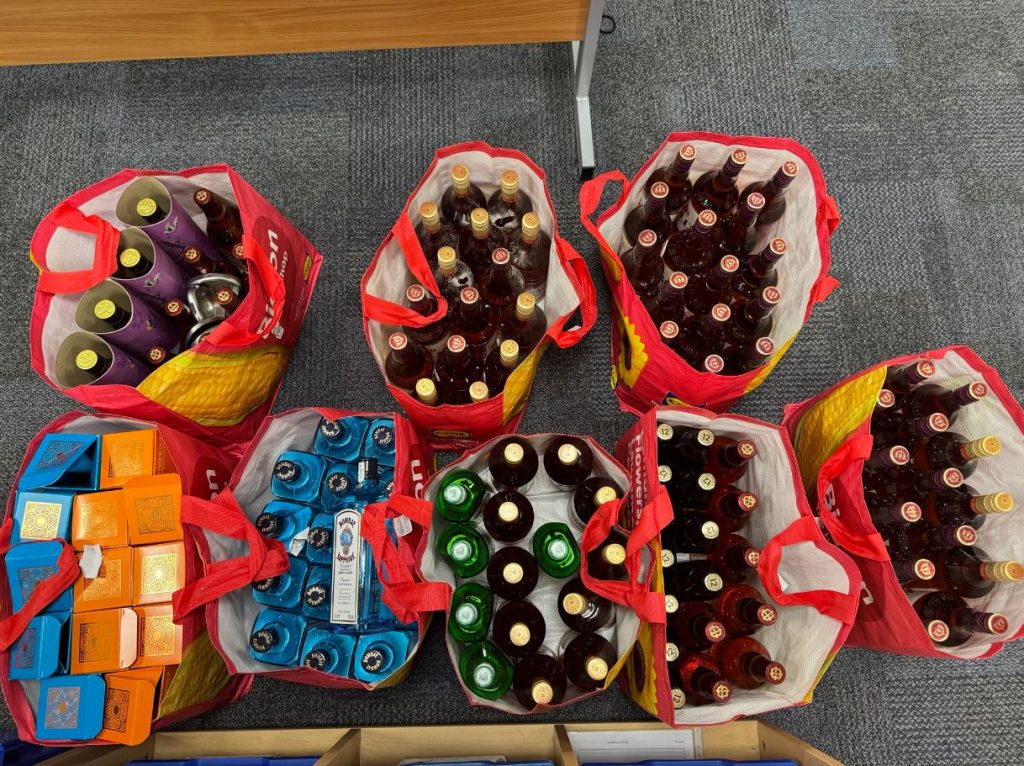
x=583, y=283
x=104, y=260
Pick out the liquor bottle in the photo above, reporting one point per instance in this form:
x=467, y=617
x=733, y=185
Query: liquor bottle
x=688, y=533
x=113, y=316
x=962, y=507
x=677, y=175
x=478, y=392
x=735, y=559
x=283, y=591
x=282, y=520
x=588, y=658
x=883, y=481
x=380, y=442
x=148, y=209
x=900, y=380
x=752, y=319
x=461, y=198
x=276, y=637
x=679, y=445
x=198, y=261
x=320, y=540
x=508, y=516
x=689, y=490
x=898, y=514
x=479, y=242
x=227, y=300
x=513, y=463
x=760, y=271
x=379, y=655
x=692, y=250
x=716, y=190
x=886, y=418
x=459, y=495
x=738, y=359
x=582, y=610
x=968, y=573
x=328, y=652
x=668, y=331
x=742, y=610
x=568, y=461
x=469, y=616
x=457, y=368
x=668, y=302
x=643, y=264
x=512, y=573
x=407, y=361
x=746, y=664
x=701, y=680
x=524, y=323
x=500, y=363
x=694, y=581
x=508, y=204
x=426, y=392
x=339, y=488
x=471, y=319
x=556, y=550
x=485, y=670
x=914, y=573
x=774, y=191
x=589, y=496
x=132, y=264
x=157, y=356
x=451, y=274
x=519, y=628
x=176, y=310
x=424, y=304
x=729, y=459
x=501, y=282
x=608, y=560
x=695, y=627
x=95, y=363
x=701, y=335
x=950, y=449
x=934, y=398
x=340, y=438
x=921, y=539
x=649, y=214
x=223, y=221
x=538, y=680
x=898, y=429
x=298, y=476
x=531, y=253
x=950, y=622
x=433, y=233
x=736, y=234
x=464, y=549
x=316, y=594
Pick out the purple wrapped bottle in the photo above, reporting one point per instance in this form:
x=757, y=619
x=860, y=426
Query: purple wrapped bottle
x=148, y=204
x=84, y=359
x=146, y=269
x=125, y=320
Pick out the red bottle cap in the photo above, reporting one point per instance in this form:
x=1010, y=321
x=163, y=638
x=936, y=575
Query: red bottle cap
x=687, y=152
x=778, y=246
x=775, y=673
x=910, y=512
x=720, y=312
x=669, y=330
x=415, y=293
x=771, y=295
x=952, y=478
x=765, y=346
x=899, y=455
x=500, y=256
x=469, y=295
x=966, y=535
x=767, y=614
x=714, y=364
x=721, y=692
x=398, y=341
x=646, y=238
x=707, y=219
x=886, y=399
x=924, y=569
x=456, y=343
x=739, y=156
x=730, y=264
x=678, y=280
x=978, y=390
x=659, y=190
x=938, y=631
x=755, y=201
x=714, y=631
x=997, y=623
x=790, y=168
x=938, y=422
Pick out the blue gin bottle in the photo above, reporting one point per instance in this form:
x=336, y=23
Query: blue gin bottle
x=283, y=591
x=276, y=637
x=328, y=652
x=298, y=476
x=380, y=441
x=341, y=439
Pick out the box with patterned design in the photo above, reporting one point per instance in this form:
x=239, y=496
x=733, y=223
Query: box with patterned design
x=99, y=518
x=153, y=507
x=103, y=641
x=111, y=588
x=129, y=454
x=159, y=570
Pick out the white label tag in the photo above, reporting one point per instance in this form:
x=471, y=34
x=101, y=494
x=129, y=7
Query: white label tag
x=345, y=574
x=295, y=546
x=402, y=526
x=611, y=746
x=91, y=561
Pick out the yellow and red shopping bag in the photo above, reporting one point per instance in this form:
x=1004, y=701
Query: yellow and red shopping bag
x=832, y=435
x=222, y=387
x=812, y=583
x=400, y=262
x=201, y=681
x=645, y=372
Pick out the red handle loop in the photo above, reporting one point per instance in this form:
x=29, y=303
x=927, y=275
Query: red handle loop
x=266, y=557
x=856, y=448
x=579, y=275
x=590, y=198
x=104, y=260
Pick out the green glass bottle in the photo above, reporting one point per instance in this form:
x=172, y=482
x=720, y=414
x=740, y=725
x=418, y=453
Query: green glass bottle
x=485, y=670
x=464, y=549
x=556, y=550
x=460, y=495
x=470, y=613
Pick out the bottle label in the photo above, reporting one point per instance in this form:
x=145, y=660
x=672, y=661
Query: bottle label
x=345, y=574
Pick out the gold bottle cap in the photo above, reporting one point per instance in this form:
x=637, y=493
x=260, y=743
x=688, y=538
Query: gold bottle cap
x=997, y=502
x=104, y=309
x=747, y=449
x=191, y=255
x=597, y=668
x=573, y=603
x=664, y=474
x=705, y=437
x=668, y=558
x=706, y=481
x=130, y=257
x=460, y=179
x=668, y=330
x=430, y=215
x=710, y=530
x=749, y=502
x=519, y=634
x=986, y=446
x=1003, y=571
x=541, y=692
x=604, y=495
x=568, y=454
x=525, y=305
x=530, y=227
x=671, y=604
x=478, y=391
x=426, y=391
x=480, y=222
x=665, y=432
x=509, y=184
x=202, y=196
x=767, y=614
x=778, y=246
x=509, y=351
x=514, y=453
x=224, y=295
x=678, y=699
x=446, y=260
x=508, y=511
x=671, y=652
x=613, y=554
x=512, y=573
x=146, y=207
x=938, y=631
x=86, y=359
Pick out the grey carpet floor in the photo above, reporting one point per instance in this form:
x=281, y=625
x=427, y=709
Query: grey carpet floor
x=914, y=110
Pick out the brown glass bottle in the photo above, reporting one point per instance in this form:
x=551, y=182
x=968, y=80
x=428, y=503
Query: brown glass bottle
x=908, y=541
x=883, y=482
x=730, y=458
x=951, y=449
x=460, y=198
x=967, y=572
x=512, y=573
x=688, y=533
x=687, y=490
x=736, y=234
x=692, y=250
x=500, y=363
x=513, y=463
x=677, y=176
x=742, y=610
x=591, y=495
x=735, y=558
x=501, y=282
x=531, y=252
x=457, y=368
x=568, y=461
x=890, y=429
x=960, y=506
x=700, y=679
x=730, y=507
x=931, y=397
x=223, y=220
x=424, y=304
x=197, y=261
x=583, y=610
x=759, y=271
x=914, y=573
x=713, y=288
x=478, y=242
x=956, y=621
x=899, y=513
x=587, y=659
x=702, y=335
x=774, y=191
x=649, y=214
x=680, y=445
x=668, y=302
x=643, y=264
x=752, y=319
x=539, y=679
x=178, y=312
x=452, y=275
x=149, y=210
x=508, y=516
x=608, y=560
x=716, y=190
x=157, y=356
x=900, y=380
x=471, y=319
x=746, y=664
x=695, y=626
x=519, y=628
x=525, y=322
x=694, y=581
x=435, y=233
x=507, y=205
x=406, y=361
x=227, y=299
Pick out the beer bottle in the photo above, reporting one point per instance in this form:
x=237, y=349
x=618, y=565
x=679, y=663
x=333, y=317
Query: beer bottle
x=457, y=368
x=965, y=571
x=760, y=271
x=114, y=316
x=702, y=335
x=700, y=680
x=485, y=670
x=92, y=362
x=934, y=398
x=500, y=363
x=730, y=507
x=433, y=233
x=643, y=264
x=735, y=559
x=568, y=461
x=459, y=495
x=899, y=514
x=512, y=573
x=900, y=380
x=688, y=490
x=197, y=261
x=694, y=581
x=426, y=392
x=478, y=392
x=668, y=302
x=132, y=264
x=716, y=190
x=692, y=250
x=464, y=549
x=479, y=242
x=588, y=658
x=695, y=627
x=406, y=361
x=886, y=419
x=746, y=664
x=469, y=617
x=669, y=333
x=742, y=610
x=959, y=506
x=519, y=628
x=729, y=459
x=508, y=204
x=424, y=304
x=538, y=680
x=679, y=445
x=513, y=463
x=148, y=209
x=501, y=282
x=736, y=234
x=524, y=323
x=774, y=191
x=451, y=274
x=950, y=449
x=589, y=496
x=608, y=560
x=157, y=356
x=883, y=483
x=508, y=516
x=711, y=289
x=900, y=430
x=737, y=359
x=677, y=176
x=906, y=541
x=223, y=220
x=471, y=320
x=556, y=550
x=752, y=319
x=688, y=533
x=915, y=573
x=583, y=610
x=227, y=299
x=649, y=214
x=950, y=622
x=530, y=253
x=179, y=313
x=461, y=198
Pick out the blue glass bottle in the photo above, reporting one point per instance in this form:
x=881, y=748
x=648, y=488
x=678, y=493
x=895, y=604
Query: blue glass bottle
x=339, y=488
x=320, y=542
x=387, y=482
x=341, y=439
x=369, y=488
x=283, y=591
x=316, y=594
x=298, y=476
x=328, y=652
x=276, y=637
x=380, y=441
x=378, y=655
x=282, y=520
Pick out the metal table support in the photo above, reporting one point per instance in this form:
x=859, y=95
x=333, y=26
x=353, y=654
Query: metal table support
x=583, y=53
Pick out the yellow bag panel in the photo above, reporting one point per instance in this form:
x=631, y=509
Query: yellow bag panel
x=520, y=383
x=632, y=352
x=200, y=677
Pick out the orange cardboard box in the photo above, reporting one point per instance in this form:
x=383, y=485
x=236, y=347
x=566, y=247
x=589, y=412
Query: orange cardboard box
x=128, y=454
x=159, y=570
x=160, y=639
x=112, y=586
x=98, y=518
x=153, y=507
x=128, y=709
x=103, y=641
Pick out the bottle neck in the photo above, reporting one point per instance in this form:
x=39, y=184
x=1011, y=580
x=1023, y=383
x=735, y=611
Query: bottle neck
x=972, y=621
x=755, y=665
x=747, y=609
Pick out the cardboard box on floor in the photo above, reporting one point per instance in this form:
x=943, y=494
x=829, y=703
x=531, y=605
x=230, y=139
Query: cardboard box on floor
x=565, y=745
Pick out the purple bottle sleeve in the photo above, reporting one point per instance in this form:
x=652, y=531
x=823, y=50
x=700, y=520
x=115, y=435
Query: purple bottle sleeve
x=176, y=232
x=145, y=329
x=124, y=369
x=164, y=281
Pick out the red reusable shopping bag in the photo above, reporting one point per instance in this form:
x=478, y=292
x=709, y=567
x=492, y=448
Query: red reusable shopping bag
x=832, y=436
x=221, y=388
x=237, y=555
x=645, y=372
x=202, y=681
x=400, y=261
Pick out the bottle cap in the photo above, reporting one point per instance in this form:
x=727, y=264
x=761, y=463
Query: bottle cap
x=671, y=604
x=709, y=530
x=938, y=631
x=263, y=640
x=778, y=246
x=375, y=658
x=557, y=549
x=790, y=169
x=478, y=391
x=469, y=295
x=997, y=502
x=739, y=157
x=678, y=699
x=573, y=603
x=605, y=494
x=965, y=534
x=415, y=293
x=174, y=307
x=86, y=359
x=713, y=582
x=671, y=651
x=460, y=550
x=104, y=309
x=977, y=391
x=677, y=280
x=460, y=179
x=767, y=614
x=705, y=437
x=201, y=196
x=568, y=454
x=771, y=295
x=466, y=614
x=509, y=183
x=669, y=330
x=330, y=429
x=525, y=305
x=499, y=256
x=668, y=558
x=508, y=511
x=266, y=584
x=924, y=569
x=238, y=251
x=286, y=470
x=512, y=573
x=514, y=453
x=130, y=257
x=430, y=215
x=706, y=481
x=146, y=207
x=191, y=255
x=446, y=259
x=614, y=554
x=426, y=391
x=664, y=474
x=986, y=446
x=665, y=432
x=952, y=478
x=721, y=692
x=714, y=364
x=268, y=523
x=729, y=264
x=647, y=239
x=659, y=190
x=509, y=351
x=720, y=312
x=156, y=355
x=530, y=226
x=456, y=344
x=687, y=152
x=224, y=296
x=937, y=423
x=455, y=494
x=316, y=659
x=748, y=501
x=397, y=341
x=338, y=483
x=886, y=399
x=519, y=634
x=755, y=201
x=765, y=346
x=597, y=668
x=899, y=455
x=319, y=538
x=997, y=624
x=707, y=219
x=480, y=222
x=910, y=512
x=484, y=675
x=746, y=449
x=315, y=595
x=752, y=556
x=714, y=631
x=541, y=692
x=1002, y=571
x=775, y=673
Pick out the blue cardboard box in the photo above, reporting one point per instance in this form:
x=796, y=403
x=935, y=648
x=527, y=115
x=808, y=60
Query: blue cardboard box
x=28, y=564
x=64, y=461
